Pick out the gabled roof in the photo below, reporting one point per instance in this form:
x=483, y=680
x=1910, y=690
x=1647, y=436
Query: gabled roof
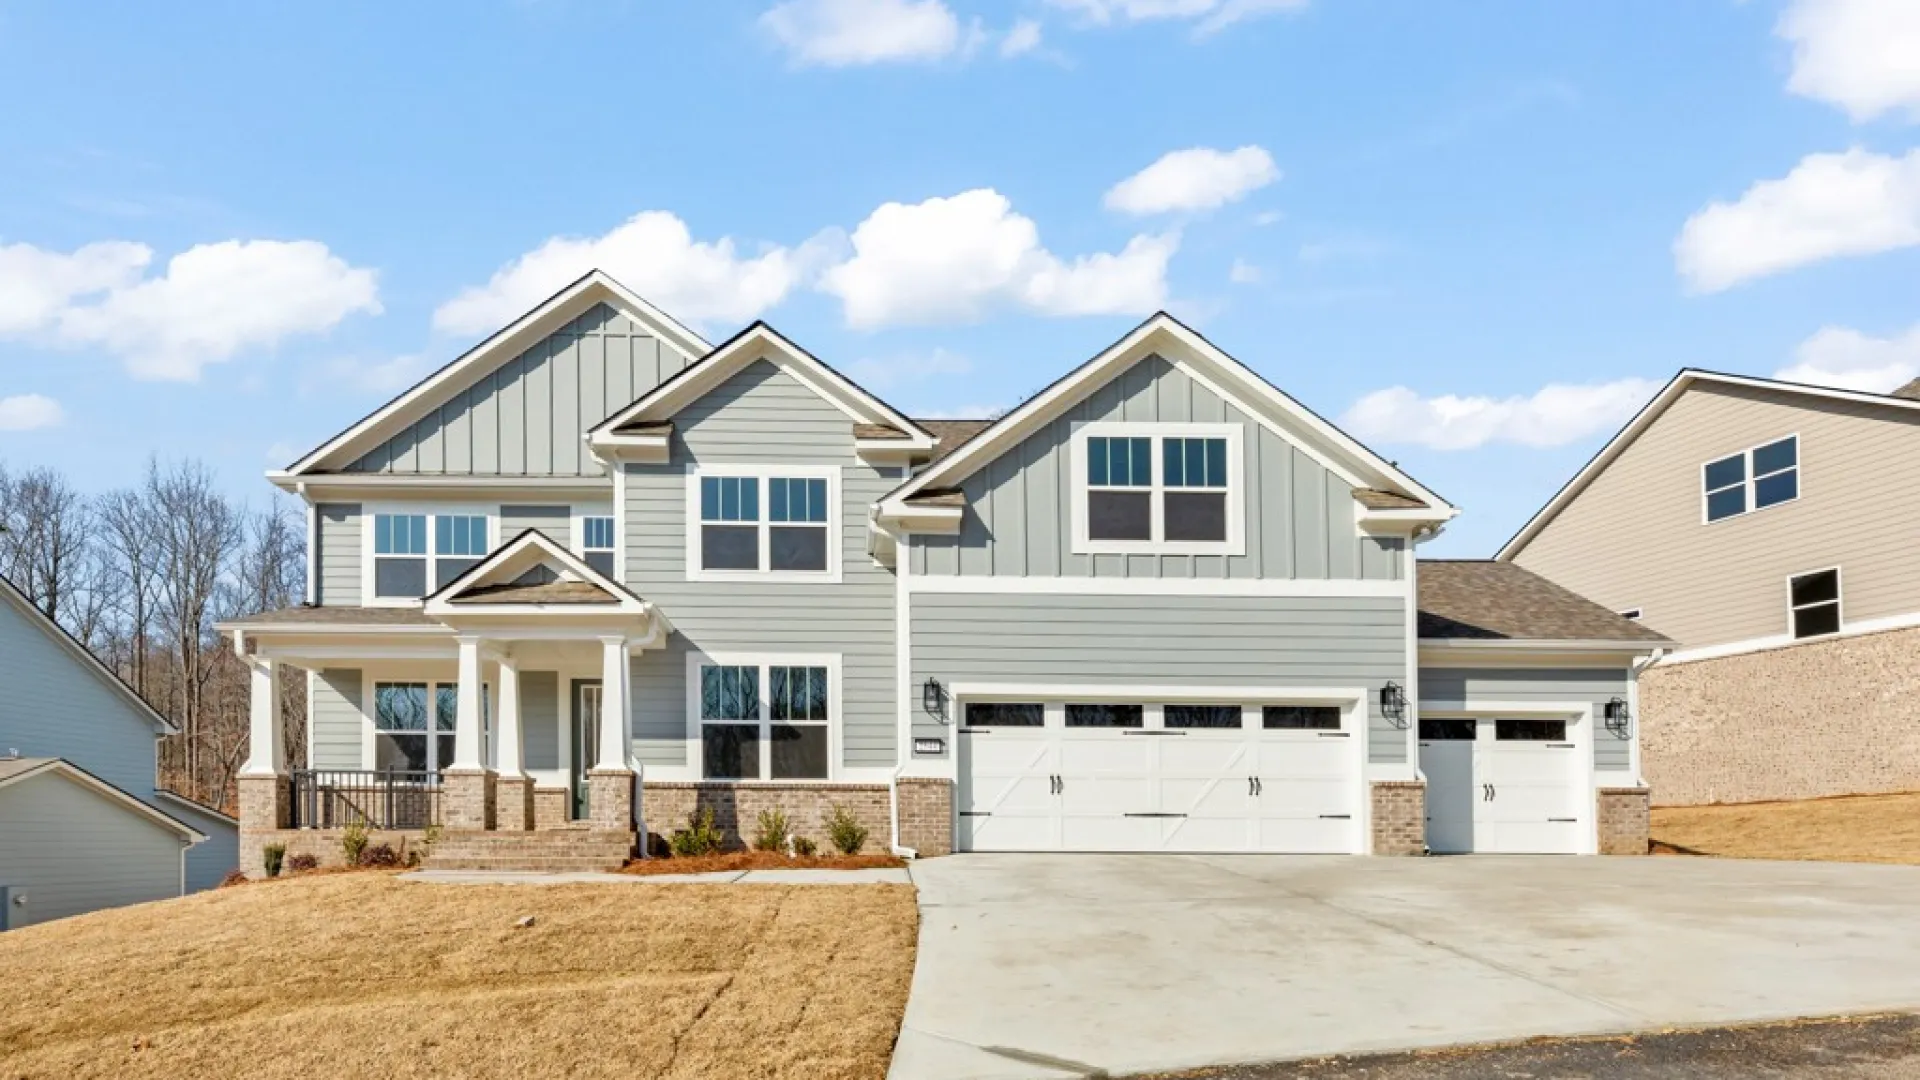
x=1210, y=366
x=1485, y=600
x=495, y=582
x=696, y=380
x=16, y=770
x=594, y=287
x=58, y=634
x=1903, y=398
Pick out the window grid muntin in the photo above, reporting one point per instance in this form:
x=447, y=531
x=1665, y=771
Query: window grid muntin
x=1213, y=477
x=430, y=713
x=797, y=524
x=1754, y=479
x=596, y=533
x=796, y=705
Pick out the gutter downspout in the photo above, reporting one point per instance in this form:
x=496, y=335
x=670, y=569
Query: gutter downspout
x=1633, y=705
x=902, y=566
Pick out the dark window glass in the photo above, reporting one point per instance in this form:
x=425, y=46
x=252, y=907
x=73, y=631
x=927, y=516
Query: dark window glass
x=802, y=547
x=395, y=750
x=1447, y=728
x=445, y=569
x=399, y=577
x=730, y=751
x=1774, y=457
x=1511, y=730
x=1119, y=462
x=1107, y=716
x=1310, y=717
x=797, y=693
x=1775, y=489
x=1816, y=620
x=400, y=722
x=1006, y=714
x=1816, y=588
x=1194, y=515
x=1816, y=603
x=1194, y=463
x=730, y=498
x=730, y=693
x=729, y=547
x=796, y=500
x=799, y=752
x=1726, y=472
x=1119, y=515
x=1202, y=716
x=400, y=534
x=1725, y=504
x=601, y=561
x=538, y=574
x=460, y=534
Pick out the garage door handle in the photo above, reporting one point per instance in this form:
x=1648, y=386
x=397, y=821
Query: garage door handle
x=1151, y=731
x=1336, y=817
x=1563, y=820
x=1157, y=814
x=976, y=813
x=1559, y=746
x=1336, y=734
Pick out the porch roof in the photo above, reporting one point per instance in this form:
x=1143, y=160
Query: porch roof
x=315, y=615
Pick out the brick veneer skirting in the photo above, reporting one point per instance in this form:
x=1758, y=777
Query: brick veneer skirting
x=551, y=807
x=322, y=844
x=1623, y=820
x=1399, y=817
x=926, y=816
x=1835, y=717
x=736, y=809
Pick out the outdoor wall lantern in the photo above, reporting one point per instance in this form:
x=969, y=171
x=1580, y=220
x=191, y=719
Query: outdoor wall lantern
x=1393, y=704
x=933, y=698
x=1619, y=719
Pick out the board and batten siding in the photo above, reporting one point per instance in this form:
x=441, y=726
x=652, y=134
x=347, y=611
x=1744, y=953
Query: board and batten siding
x=71, y=850
x=1300, y=518
x=526, y=417
x=1110, y=641
x=1453, y=688
x=761, y=415
x=336, y=732
x=337, y=555
x=1636, y=537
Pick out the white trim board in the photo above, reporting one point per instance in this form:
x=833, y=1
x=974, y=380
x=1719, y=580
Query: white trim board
x=1234, y=541
x=1881, y=625
x=1086, y=586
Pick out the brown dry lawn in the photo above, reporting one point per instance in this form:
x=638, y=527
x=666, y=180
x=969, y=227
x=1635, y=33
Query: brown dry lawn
x=356, y=975
x=1860, y=828
x=731, y=861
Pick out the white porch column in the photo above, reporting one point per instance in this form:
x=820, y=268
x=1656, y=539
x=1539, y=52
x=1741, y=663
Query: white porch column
x=613, y=703
x=506, y=719
x=468, y=753
x=267, y=744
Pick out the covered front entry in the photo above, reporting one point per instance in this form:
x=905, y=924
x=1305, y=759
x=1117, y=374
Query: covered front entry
x=1510, y=785
x=584, y=730
x=1089, y=775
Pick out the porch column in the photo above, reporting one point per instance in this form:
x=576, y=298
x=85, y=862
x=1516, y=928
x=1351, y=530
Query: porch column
x=266, y=742
x=467, y=788
x=612, y=796
x=514, y=789
x=266, y=798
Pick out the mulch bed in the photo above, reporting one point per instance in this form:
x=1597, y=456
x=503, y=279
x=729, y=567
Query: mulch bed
x=736, y=861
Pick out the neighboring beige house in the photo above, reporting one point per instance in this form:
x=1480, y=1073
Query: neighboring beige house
x=1771, y=530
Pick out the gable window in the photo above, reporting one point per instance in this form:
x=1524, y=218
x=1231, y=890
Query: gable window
x=1167, y=488
x=417, y=553
x=765, y=721
x=776, y=522
x=1813, y=603
x=1753, y=479
x=596, y=543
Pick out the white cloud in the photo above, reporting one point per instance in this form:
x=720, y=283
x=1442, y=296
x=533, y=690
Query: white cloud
x=1244, y=273
x=1862, y=55
x=1208, y=16
x=1843, y=357
x=30, y=412
x=952, y=259
x=878, y=374
x=36, y=285
x=388, y=376
x=1022, y=38
x=844, y=33
x=1199, y=178
x=1555, y=415
x=1852, y=203
x=651, y=253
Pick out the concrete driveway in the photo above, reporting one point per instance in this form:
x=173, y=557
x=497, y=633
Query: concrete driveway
x=1072, y=965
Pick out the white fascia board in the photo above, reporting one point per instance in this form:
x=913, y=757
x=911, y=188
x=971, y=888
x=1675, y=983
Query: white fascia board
x=540, y=546
x=329, y=487
x=644, y=449
x=1084, y=586
x=936, y=520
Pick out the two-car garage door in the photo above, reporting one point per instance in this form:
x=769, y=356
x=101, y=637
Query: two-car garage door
x=1142, y=776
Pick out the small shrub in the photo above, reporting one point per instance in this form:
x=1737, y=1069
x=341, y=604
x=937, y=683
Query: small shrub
x=413, y=859
x=379, y=855
x=353, y=842
x=431, y=837
x=272, y=856
x=302, y=863
x=234, y=877
x=772, y=833
x=700, y=837
x=845, y=830
x=805, y=848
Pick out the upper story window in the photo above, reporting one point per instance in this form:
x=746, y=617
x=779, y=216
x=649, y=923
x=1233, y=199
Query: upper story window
x=776, y=522
x=1813, y=603
x=416, y=553
x=1158, y=488
x=596, y=543
x=1752, y=479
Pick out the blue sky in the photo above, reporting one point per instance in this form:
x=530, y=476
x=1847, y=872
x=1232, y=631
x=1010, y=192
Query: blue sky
x=1477, y=234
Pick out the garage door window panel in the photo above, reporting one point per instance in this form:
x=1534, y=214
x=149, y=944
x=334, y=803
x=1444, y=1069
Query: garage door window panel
x=1106, y=716
x=1181, y=717
x=1509, y=729
x=1300, y=717
x=1011, y=714
x=1448, y=728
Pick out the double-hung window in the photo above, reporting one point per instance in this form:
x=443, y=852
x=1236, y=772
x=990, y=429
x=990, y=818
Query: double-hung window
x=459, y=541
x=765, y=721
x=417, y=553
x=1813, y=603
x=771, y=523
x=596, y=543
x=413, y=725
x=1157, y=489
x=1752, y=479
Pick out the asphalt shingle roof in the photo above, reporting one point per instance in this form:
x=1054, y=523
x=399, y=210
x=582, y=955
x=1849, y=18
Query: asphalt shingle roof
x=1488, y=600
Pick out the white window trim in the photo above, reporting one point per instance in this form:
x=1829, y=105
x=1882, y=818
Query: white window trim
x=369, y=512
x=1636, y=613
x=370, y=745
x=763, y=473
x=1234, y=434
x=696, y=745
x=1839, y=602
x=1748, y=485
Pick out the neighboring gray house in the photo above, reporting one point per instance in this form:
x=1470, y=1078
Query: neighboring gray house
x=82, y=823
x=1161, y=606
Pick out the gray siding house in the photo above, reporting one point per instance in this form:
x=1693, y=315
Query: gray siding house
x=597, y=575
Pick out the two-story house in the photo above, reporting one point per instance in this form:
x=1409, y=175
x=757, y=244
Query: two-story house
x=1759, y=525
x=596, y=574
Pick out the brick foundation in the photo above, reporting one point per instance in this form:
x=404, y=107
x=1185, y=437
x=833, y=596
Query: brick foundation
x=1623, y=820
x=322, y=844
x=551, y=807
x=467, y=798
x=1400, y=817
x=610, y=799
x=926, y=816
x=736, y=809
x=513, y=803
x=1835, y=717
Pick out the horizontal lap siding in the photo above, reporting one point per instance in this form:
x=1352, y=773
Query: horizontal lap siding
x=555, y=522
x=761, y=416
x=55, y=704
x=1451, y=688
x=338, y=557
x=1164, y=640
x=336, y=734
x=72, y=850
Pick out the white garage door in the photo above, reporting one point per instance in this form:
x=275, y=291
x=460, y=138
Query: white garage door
x=1067, y=776
x=1505, y=785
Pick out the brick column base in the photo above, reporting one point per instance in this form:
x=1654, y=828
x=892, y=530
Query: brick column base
x=266, y=803
x=551, y=807
x=926, y=815
x=513, y=803
x=467, y=799
x=610, y=799
x=1623, y=818
x=1400, y=817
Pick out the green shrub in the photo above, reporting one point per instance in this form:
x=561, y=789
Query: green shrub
x=773, y=831
x=805, y=848
x=272, y=856
x=845, y=830
x=700, y=837
x=353, y=842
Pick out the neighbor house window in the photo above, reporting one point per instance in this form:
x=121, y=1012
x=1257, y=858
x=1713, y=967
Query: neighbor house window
x=596, y=543
x=413, y=724
x=1753, y=479
x=415, y=554
x=773, y=524
x=1169, y=488
x=1814, y=603
x=765, y=721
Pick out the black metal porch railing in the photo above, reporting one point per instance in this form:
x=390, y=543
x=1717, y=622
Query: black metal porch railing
x=377, y=798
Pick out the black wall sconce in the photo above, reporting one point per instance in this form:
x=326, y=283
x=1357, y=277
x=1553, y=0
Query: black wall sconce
x=1618, y=718
x=933, y=698
x=1393, y=704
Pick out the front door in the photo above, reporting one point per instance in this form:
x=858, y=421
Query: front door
x=585, y=726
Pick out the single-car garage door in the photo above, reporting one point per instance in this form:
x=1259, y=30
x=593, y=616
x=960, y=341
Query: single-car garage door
x=1506, y=785
x=1137, y=776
